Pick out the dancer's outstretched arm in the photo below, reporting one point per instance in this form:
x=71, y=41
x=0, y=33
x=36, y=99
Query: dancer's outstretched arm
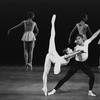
x=69, y=39
x=15, y=27
x=94, y=35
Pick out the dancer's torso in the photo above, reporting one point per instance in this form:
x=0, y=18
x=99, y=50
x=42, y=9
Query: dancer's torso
x=82, y=29
x=29, y=26
x=82, y=56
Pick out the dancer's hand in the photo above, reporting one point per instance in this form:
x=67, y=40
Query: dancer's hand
x=8, y=32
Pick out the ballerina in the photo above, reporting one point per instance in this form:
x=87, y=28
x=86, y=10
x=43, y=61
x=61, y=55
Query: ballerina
x=29, y=38
x=53, y=57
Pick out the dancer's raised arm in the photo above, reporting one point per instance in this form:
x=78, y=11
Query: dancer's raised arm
x=70, y=35
x=94, y=35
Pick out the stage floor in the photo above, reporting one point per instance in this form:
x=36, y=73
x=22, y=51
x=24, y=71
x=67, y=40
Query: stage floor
x=18, y=84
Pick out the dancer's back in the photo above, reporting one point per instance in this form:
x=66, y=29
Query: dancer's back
x=29, y=25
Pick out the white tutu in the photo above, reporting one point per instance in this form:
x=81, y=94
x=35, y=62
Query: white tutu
x=28, y=36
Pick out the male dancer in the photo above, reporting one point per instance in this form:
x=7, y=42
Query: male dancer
x=80, y=63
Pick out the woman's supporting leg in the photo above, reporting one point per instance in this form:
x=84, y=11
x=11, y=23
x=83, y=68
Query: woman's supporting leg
x=31, y=49
x=49, y=57
x=25, y=44
x=47, y=67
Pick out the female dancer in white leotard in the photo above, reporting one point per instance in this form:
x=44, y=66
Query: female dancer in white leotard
x=54, y=57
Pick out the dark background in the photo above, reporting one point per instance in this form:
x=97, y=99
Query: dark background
x=68, y=12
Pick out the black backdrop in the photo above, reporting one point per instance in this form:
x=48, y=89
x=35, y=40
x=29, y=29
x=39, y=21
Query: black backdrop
x=12, y=12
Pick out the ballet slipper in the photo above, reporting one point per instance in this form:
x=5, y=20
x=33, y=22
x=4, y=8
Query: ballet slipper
x=53, y=18
x=26, y=66
x=45, y=91
x=30, y=65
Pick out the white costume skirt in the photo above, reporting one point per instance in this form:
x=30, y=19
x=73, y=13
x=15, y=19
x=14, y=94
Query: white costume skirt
x=28, y=36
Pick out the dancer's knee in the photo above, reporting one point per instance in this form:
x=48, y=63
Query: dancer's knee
x=25, y=54
x=92, y=77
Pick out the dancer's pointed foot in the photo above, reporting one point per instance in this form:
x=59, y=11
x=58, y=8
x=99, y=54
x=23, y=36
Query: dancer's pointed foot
x=26, y=67
x=52, y=92
x=30, y=65
x=45, y=91
x=53, y=18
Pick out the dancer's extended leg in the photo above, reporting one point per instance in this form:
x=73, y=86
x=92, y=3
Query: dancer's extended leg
x=49, y=56
x=52, y=48
x=26, y=54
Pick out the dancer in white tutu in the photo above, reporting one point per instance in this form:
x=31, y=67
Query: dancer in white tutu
x=29, y=38
x=54, y=57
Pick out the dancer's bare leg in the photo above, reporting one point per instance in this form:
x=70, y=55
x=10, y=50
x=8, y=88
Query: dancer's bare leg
x=47, y=67
x=52, y=48
x=25, y=54
x=49, y=56
x=31, y=46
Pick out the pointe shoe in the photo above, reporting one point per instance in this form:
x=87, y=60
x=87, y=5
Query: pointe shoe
x=45, y=91
x=26, y=67
x=52, y=92
x=53, y=18
x=30, y=65
x=91, y=94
